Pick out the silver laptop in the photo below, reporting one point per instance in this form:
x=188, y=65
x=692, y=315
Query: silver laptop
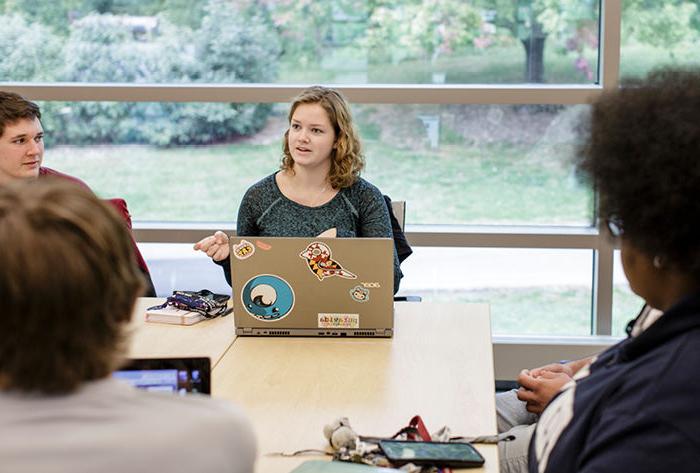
x=340, y=287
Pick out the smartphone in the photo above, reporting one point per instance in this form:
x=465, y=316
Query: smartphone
x=447, y=454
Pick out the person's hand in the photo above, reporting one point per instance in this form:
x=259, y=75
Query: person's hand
x=215, y=246
x=537, y=391
x=552, y=368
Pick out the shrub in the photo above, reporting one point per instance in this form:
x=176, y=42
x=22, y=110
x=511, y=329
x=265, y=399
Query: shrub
x=227, y=48
x=230, y=46
x=27, y=52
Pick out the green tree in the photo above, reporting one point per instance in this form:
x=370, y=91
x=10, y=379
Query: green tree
x=401, y=29
x=58, y=15
x=103, y=49
x=28, y=52
x=228, y=47
x=533, y=22
x=233, y=44
x=183, y=12
x=122, y=7
x=420, y=29
x=306, y=27
x=50, y=13
x=662, y=24
x=572, y=25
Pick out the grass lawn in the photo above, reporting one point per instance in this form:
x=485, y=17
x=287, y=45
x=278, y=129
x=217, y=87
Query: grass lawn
x=495, y=65
x=490, y=184
x=455, y=184
x=551, y=310
x=636, y=60
x=179, y=184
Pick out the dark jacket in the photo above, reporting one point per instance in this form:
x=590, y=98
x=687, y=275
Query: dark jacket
x=403, y=249
x=637, y=411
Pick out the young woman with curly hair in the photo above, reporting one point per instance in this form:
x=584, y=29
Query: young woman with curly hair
x=318, y=190
x=635, y=407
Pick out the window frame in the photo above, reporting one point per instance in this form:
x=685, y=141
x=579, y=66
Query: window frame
x=594, y=238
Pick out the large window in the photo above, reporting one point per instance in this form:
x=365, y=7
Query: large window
x=467, y=110
x=282, y=41
x=543, y=292
x=480, y=164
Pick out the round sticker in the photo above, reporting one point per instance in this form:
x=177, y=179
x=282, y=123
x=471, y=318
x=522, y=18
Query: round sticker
x=267, y=297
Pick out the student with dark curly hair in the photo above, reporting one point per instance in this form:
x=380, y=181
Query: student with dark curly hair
x=68, y=285
x=318, y=190
x=635, y=407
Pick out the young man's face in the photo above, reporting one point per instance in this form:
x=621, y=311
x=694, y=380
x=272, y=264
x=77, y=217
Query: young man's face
x=21, y=150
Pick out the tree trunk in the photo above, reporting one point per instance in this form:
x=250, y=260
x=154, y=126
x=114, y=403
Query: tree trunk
x=534, y=59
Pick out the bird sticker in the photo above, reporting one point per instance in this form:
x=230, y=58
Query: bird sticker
x=319, y=258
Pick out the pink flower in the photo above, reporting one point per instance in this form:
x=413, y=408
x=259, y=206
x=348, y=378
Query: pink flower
x=582, y=65
x=482, y=42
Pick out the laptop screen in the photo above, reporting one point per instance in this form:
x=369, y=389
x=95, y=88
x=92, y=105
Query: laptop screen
x=173, y=375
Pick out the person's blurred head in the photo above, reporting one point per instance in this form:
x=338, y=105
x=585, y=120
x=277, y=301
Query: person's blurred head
x=68, y=286
x=21, y=138
x=346, y=159
x=642, y=153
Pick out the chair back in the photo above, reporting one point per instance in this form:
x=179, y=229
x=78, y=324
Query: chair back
x=397, y=214
x=120, y=206
x=399, y=209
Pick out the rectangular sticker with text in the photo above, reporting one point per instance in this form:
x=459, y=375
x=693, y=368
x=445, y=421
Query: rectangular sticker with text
x=338, y=320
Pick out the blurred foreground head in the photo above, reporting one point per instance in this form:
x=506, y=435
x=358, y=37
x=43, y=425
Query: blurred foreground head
x=68, y=285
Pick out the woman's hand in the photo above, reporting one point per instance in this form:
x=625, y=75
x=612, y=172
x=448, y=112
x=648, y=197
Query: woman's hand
x=215, y=246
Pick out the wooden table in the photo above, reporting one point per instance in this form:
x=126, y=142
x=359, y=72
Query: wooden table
x=439, y=365
x=210, y=338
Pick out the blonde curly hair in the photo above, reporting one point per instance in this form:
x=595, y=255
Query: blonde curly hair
x=347, y=160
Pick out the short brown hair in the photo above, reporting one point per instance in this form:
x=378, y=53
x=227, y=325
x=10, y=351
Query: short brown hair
x=14, y=107
x=68, y=286
x=347, y=160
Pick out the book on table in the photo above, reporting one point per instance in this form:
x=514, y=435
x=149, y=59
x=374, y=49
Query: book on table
x=172, y=315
